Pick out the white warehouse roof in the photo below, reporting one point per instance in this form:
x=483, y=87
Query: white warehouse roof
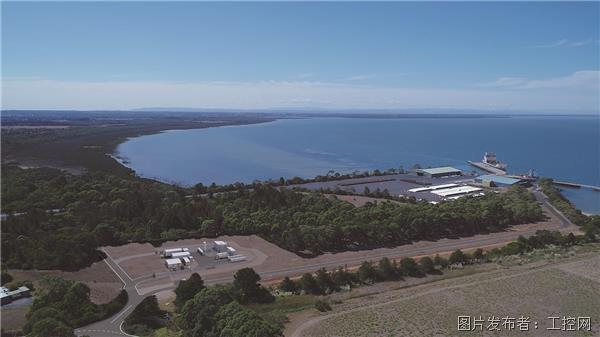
x=434, y=187
x=456, y=190
x=173, y=262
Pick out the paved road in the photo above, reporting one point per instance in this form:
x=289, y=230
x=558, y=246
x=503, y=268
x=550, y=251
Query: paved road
x=113, y=326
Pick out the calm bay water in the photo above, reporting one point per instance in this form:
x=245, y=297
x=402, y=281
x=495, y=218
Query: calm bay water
x=565, y=148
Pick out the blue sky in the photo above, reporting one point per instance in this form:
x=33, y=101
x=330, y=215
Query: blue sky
x=108, y=55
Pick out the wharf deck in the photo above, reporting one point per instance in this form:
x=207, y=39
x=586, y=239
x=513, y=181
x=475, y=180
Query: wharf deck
x=487, y=168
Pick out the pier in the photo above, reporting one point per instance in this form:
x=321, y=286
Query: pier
x=575, y=185
x=487, y=168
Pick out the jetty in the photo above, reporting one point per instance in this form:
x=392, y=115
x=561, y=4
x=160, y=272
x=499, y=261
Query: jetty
x=487, y=168
x=575, y=185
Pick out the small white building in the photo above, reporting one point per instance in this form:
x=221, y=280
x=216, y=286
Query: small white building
x=186, y=261
x=220, y=246
x=231, y=251
x=7, y=295
x=173, y=263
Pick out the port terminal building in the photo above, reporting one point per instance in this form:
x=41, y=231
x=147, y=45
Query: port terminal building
x=491, y=180
x=438, y=172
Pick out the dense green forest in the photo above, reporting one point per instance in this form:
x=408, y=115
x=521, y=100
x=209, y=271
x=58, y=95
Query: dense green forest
x=65, y=217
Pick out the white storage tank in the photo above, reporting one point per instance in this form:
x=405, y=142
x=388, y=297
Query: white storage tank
x=237, y=258
x=181, y=254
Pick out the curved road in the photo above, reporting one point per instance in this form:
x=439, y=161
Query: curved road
x=113, y=326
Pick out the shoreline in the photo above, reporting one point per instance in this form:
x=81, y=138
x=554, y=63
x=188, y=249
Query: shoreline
x=88, y=146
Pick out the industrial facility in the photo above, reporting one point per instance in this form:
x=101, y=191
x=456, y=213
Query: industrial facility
x=180, y=258
x=446, y=191
x=491, y=180
x=438, y=172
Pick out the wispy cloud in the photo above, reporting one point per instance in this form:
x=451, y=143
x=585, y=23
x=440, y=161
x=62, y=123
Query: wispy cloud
x=582, y=43
x=554, y=44
x=584, y=79
x=564, y=93
x=359, y=77
x=566, y=43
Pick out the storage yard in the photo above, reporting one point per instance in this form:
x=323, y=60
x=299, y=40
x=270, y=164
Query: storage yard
x=183, y=258
x=432, y=184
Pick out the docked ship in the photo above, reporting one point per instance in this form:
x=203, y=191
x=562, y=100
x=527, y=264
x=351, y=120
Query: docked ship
x=489, y=158
x=490, y=164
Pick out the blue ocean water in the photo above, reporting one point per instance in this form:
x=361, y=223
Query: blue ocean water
x=565, y=148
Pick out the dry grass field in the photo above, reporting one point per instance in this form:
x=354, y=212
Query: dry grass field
x=537, y=290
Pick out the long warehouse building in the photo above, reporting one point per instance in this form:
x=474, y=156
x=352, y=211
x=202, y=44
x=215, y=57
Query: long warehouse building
x=460, y=190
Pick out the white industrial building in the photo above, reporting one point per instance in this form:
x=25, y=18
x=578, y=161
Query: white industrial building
x=169, y=252
x=220, y=246
x=431, y=188
x=7, y=295
x=456, y=191
x=173, y=263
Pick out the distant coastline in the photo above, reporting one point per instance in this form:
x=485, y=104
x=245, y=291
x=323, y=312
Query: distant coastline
x=307, y=147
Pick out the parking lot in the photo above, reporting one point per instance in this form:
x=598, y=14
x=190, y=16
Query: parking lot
x=395, y=184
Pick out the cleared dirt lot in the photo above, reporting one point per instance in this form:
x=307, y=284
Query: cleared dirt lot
x=536, y=291
x=143, y=264
x=104, y=284
x=140, y=260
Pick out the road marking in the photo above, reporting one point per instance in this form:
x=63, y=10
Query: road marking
x=123, y=332
x=121, y=313
x=114, y=271
x=118, y=265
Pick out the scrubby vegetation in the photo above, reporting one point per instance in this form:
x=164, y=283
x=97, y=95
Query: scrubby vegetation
x=323, y=282
x=62, y=305
x=216, y=311
x=65, y=217
x=145, y=318
x=187, y=289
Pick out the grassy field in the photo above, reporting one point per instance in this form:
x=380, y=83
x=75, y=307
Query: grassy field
x=278, y=311
x=537, y=290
